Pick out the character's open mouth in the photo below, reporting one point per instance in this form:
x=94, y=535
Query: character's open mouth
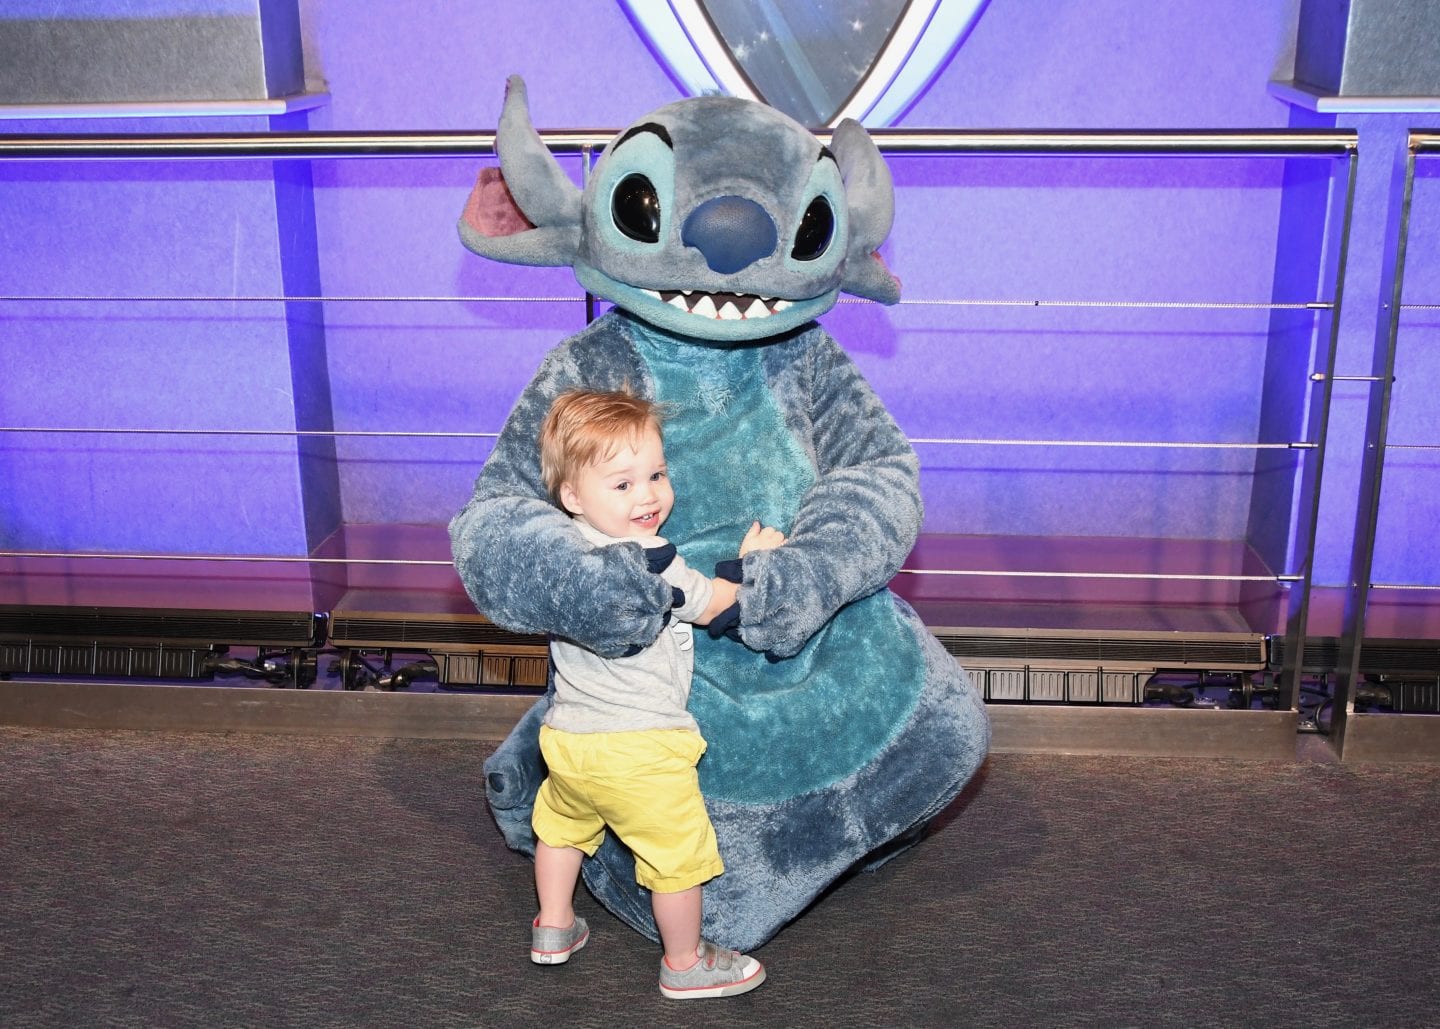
x=725, y=306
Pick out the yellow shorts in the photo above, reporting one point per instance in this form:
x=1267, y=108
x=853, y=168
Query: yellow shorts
x=643, y=785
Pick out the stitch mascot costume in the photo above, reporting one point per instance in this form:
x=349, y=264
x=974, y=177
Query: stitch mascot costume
x=837, y=725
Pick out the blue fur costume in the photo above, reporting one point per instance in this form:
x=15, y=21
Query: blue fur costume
x=836, y=723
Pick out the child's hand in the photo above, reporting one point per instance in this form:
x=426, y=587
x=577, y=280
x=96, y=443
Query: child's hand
x=759, y=538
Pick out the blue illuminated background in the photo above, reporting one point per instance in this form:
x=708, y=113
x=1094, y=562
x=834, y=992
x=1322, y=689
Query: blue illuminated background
x=1247, y=230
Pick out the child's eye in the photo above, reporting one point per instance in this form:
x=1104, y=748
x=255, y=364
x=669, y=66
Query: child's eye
x=656, y=476
x=622, y=486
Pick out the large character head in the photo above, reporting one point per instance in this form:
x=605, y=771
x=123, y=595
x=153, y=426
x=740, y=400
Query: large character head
x=712, y=217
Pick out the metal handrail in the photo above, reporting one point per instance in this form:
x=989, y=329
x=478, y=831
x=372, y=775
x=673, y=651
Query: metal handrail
x=1003, y=573
x=216, y=298
x=995, y=142
x=434, y=434
x=1424, y=143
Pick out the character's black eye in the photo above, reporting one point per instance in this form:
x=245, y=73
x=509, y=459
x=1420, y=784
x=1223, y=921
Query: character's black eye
x=636, y=209
x=816, y=228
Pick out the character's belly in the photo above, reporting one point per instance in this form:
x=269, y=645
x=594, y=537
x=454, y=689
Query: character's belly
x=775, y=729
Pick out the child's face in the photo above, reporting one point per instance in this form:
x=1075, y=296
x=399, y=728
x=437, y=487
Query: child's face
x=627, y=493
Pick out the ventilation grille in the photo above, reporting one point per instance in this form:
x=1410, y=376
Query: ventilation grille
x=110, y=660
x=1377, y=656
x=1395, y=657
x=1107, y=651
x=379, y=631
x=105, y=624
x=1031, y=685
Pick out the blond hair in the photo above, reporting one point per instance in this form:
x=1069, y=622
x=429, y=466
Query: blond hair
x=585, y=427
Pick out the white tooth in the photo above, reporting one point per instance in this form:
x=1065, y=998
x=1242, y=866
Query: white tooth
x=704, y=307
x=687, y=292
x=780, y=305
x=757, y=309
x=678, y=301
x=729, y=312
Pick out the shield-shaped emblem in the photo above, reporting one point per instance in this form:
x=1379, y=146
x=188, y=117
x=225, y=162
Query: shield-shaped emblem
x=817, y=60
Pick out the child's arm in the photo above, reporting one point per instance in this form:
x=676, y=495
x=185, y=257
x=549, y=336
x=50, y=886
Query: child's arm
x=724, y=596
x=727, y=592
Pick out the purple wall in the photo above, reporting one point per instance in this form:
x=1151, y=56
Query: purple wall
x=145, y=230
x=966, y=228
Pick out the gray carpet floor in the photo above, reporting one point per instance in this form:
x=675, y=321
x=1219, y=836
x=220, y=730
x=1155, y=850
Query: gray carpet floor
x=207, y=880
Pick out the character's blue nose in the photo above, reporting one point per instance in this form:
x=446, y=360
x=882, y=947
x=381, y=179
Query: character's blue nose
x=731, y=232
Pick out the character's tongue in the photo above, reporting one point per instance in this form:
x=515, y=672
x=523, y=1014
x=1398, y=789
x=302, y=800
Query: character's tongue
x=725, y=306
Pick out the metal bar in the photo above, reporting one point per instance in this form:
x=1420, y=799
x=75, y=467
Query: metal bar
x=230, y=558
x=1184, y=305
x=1159, y=576
x=309, y=145
x=1163, y=445
x=1372, y=465
x=1148, y=143
x=345, y=433
x=153, y=299
x=249, y=432
x=1404, y=586
x=1297, y=604
x=282, y=559
x=587, y=165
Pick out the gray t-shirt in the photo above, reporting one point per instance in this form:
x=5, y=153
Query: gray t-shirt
x=648, y=690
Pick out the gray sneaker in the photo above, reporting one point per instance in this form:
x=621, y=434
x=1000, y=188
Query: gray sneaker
x=551, y=946
x=718, y=973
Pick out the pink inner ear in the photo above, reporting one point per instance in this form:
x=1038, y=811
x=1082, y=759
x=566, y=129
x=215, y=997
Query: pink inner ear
x=875, y=254
x=491, y=210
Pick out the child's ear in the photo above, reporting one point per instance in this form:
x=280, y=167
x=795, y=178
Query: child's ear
x=569, y=500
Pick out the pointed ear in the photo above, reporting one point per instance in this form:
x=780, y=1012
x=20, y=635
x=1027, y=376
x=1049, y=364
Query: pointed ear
x=870, y=196
x=868, y=278
x=528, y=211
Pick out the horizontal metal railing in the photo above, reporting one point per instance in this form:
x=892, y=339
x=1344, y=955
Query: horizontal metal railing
x=999, y=573
x=407, y=434
x=138, y=298
x=312, y=145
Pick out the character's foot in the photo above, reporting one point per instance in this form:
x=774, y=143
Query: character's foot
x=551, y=946
x=718, y=973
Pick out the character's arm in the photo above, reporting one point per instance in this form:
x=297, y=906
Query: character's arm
x=523, y=563
x=856, y=525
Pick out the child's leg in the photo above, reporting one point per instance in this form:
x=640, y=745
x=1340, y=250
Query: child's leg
x=677, y=916
x=694, y=968
x=556, y=870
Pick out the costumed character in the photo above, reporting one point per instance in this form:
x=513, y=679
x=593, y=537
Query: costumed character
x=836, y=724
